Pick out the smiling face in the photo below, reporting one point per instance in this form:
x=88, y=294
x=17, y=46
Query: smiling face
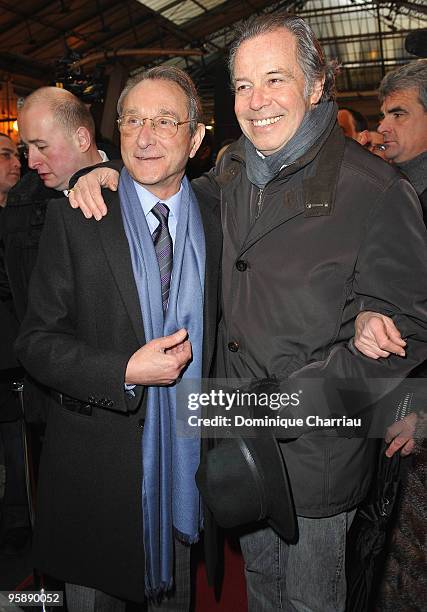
x=404, y=126
x=269, y=84
x=156, y=162
x=55, y=154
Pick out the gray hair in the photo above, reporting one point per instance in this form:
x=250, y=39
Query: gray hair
x=311, y=58
x=409, y=76
x=68, y=111
x=175, y=75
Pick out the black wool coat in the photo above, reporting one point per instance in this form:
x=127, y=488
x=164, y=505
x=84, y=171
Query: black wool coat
x=82, y=325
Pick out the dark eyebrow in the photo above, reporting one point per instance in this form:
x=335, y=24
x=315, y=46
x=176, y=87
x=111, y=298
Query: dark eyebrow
x=279, y=70
x=283, y=71
x=162, y=111
x=397, y=109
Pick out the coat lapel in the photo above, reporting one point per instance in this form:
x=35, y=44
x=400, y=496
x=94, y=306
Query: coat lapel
x=112, y=233
x=213, y=241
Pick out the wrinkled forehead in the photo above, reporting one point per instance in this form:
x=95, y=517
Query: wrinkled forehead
x=401, y=98
x=153, y=97
x=266, y=52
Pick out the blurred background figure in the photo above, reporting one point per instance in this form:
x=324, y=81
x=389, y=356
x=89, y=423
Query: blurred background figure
x=10, y=166
x=14, y=523
x=403, y=98
x=354, y=125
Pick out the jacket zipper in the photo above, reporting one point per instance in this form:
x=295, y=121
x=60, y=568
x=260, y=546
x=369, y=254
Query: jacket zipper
x=259, y=204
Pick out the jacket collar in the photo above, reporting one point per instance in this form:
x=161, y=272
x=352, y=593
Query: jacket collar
x=319, y=187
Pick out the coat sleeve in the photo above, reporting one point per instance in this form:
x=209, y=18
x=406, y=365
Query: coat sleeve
x=48, y=345
x=390, y=277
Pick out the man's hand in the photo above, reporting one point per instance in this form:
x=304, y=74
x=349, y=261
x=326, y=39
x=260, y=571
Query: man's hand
x=160, y=361
x=377, y=336
x=400, y=436
x=86, y=193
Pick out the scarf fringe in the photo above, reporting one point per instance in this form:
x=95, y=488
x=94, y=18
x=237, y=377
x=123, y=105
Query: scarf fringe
x=185, y=538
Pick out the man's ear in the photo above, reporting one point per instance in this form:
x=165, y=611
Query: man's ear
x=83, y=139
x=317, y=91
x=196, y=139
x=363, y=138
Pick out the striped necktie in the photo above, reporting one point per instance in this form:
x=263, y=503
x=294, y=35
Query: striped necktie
x=163, y=247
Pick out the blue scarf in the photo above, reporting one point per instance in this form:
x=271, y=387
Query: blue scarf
x=170, y=499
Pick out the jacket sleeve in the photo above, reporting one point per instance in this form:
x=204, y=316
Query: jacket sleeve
x=390, y=277
x=48, y=345
x=114, y=164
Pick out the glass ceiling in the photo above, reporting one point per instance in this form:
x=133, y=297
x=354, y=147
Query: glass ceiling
x=181, y=12
x=367, y=37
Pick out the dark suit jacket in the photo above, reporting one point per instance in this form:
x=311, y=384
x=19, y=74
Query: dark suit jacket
x=82, y=326
x=9, y=367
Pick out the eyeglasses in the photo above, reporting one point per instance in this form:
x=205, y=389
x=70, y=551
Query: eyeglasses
x=165, y=127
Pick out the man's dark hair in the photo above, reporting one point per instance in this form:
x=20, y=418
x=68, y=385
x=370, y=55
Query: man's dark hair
x=409, y=76
x=310, y=54
x=5, y=136
x=360, y=122
x=175, y=75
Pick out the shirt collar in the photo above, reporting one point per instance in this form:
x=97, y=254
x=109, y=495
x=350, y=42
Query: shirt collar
x=148, y=200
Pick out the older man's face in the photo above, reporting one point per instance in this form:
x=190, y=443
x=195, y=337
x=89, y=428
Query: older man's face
x=404, y=126
x=157, y=162
x=10, y=166
x=269, y=84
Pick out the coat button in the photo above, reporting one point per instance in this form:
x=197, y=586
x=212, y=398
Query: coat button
x=141, y=423
x=241, y=265
x=233, y=347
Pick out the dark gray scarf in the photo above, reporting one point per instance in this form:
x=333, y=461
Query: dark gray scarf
x=316, y=121
x=416, y=172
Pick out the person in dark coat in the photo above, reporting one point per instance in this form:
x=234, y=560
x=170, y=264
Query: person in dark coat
x=315, y=230
x=15, y=529
x=53, y=158
x=403, y=98
x=403, y=95
x=104, y=330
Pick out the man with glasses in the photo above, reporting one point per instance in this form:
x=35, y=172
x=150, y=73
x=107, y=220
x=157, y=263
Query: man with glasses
x=117, y=311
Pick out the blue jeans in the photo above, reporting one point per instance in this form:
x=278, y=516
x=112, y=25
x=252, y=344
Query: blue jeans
x=305, y=577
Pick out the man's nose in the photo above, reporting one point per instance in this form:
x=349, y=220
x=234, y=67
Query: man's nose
x=16, y=163
x=146, y=135
x=383, y=126
x=259, y=98
x=34, y=158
